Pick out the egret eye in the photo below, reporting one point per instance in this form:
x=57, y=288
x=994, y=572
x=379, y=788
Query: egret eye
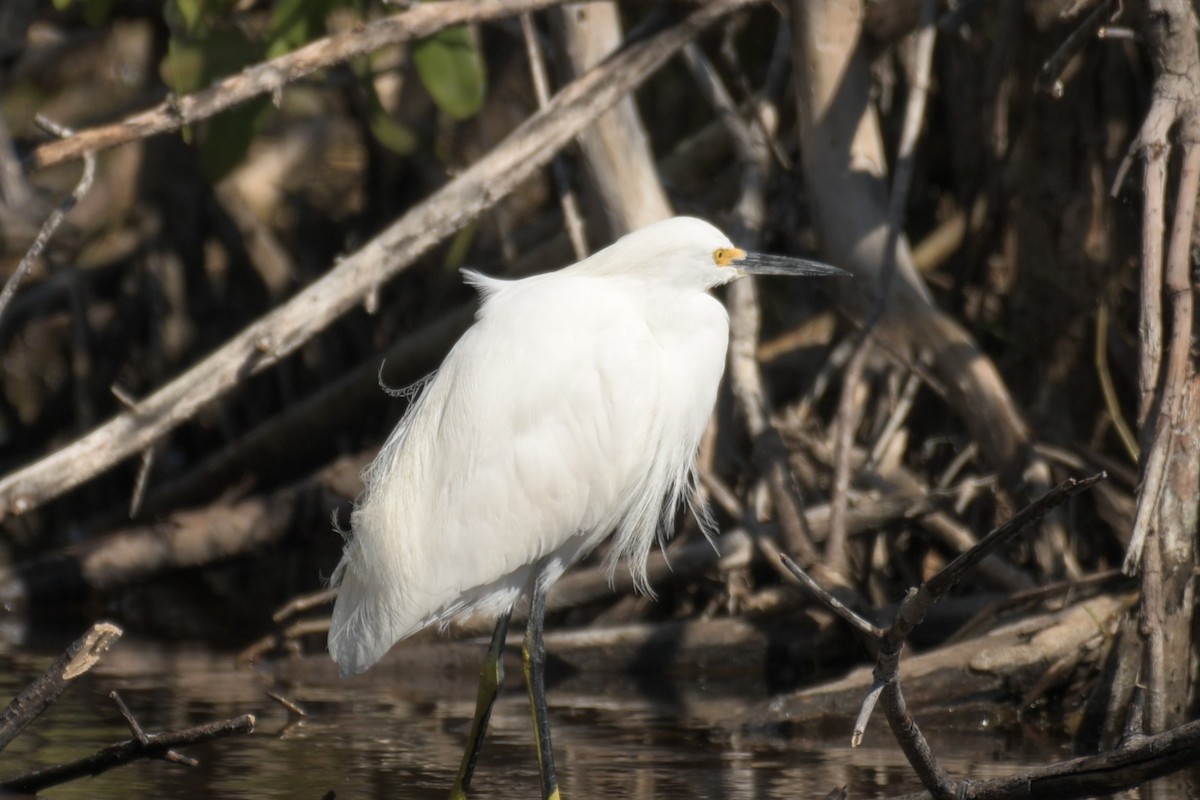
x=725, y=256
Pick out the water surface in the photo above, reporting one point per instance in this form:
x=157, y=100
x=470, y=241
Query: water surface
x=397, y=732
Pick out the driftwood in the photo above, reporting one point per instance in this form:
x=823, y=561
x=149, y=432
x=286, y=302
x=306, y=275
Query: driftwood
x=993, y=675
x=1131, y=765
x=146, y=746
x=80, y=657
x=214, y=533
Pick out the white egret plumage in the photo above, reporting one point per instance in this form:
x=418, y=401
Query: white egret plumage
x=571, y=410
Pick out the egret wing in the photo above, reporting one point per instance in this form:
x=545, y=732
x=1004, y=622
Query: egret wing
x=529, y=443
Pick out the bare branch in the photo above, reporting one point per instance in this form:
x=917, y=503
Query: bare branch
x=80, y=657
x=615, y=147
x=541, y=87
x=156, y=745
x=890, y=642
x=422, y=20
x=1048, y=78
x=864, y=627
x=54, y=220
x=1142, y=760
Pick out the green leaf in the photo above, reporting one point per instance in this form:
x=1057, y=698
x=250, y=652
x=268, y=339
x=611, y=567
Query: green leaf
x=187, y=15
x=460, y=246
x=451, y=68
x=227, y=137
x=387, y=131
x=196, y=63
x=391, y=134
x=95, y=12
x=295, y=23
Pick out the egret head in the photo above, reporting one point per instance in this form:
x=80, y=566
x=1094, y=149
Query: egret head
x=692, y=253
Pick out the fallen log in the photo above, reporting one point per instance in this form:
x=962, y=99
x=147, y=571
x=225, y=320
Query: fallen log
x=1018, y=661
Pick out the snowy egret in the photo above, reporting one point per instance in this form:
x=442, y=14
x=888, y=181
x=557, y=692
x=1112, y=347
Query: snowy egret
x=571, y=409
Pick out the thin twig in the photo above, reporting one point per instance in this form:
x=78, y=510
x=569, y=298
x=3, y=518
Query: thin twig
x=862, y=626
x=896, y=419
x=845, y=422
x=14, y=189
x=54, y=220
x=541, y=86
x=1107, y=388
x=1048, y=78
x=292, y=706
x=953, y=572
x=158, y=745
x=889, y=643
x=147, y=462
x=306, y=602
x=134, y=727
x=270, y=77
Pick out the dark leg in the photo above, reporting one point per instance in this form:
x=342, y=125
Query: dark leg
x=490, y=678
x=534, y=659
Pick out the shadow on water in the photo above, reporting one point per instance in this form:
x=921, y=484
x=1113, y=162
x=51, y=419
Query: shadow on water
x=397, y=732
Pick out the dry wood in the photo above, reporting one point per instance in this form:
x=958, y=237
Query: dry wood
x=1167, y=517
x=898, y=484
x=615, y=147
x=541, y=86
x=280, y=332
x=186, y=539
x=1108, y=773
x=53, y=221
x=78, y=659
x=888, y=643
x=982, y=673
x=154, y=745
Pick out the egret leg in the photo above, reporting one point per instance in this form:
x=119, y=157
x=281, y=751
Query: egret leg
x=534, y=661
x=491, y=676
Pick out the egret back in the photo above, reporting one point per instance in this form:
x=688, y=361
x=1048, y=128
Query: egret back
x=572, y=408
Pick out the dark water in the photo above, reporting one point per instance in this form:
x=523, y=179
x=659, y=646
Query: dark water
x=398, y=731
